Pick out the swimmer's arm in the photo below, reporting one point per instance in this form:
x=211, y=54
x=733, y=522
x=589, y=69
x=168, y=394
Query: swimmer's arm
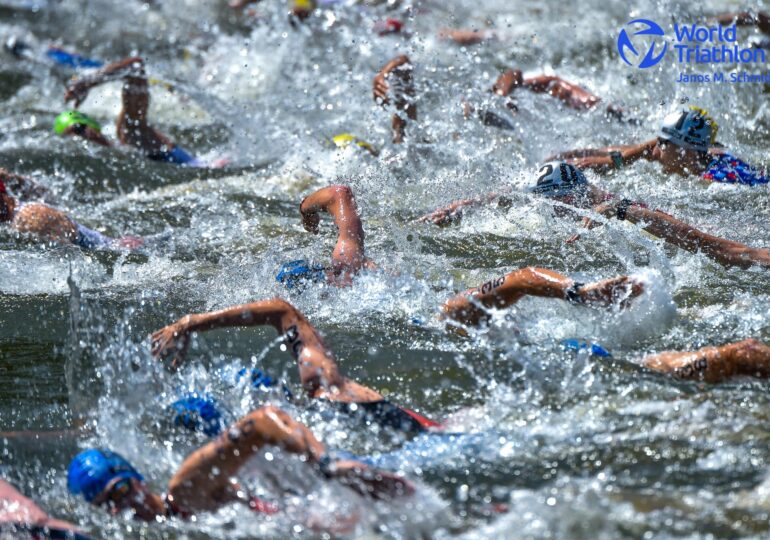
x=339, y=202
x=468, y=307
x=15, y=508
x=25, y=187
x=132, y=68
x=317, y=368
x=463, y=36
x=714, y=364
x=746, y=18
x=204, y=480
x=453, y=212
x=629, y=152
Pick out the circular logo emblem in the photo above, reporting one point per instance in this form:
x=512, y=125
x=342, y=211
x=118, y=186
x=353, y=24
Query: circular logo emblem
x=630, y=52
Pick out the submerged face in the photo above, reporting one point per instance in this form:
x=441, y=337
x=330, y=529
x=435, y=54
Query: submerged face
x=131, y=494
x=674, y=159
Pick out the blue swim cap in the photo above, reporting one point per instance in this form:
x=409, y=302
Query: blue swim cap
x=257, y=377
x=293, y=273
x=260, y=380
x=90, y=472
x=580, y=344
x=198, y=413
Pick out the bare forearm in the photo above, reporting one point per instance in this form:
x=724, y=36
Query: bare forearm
x=505, y=291
x=133, y=67
x=322, y=199
x=266, y=312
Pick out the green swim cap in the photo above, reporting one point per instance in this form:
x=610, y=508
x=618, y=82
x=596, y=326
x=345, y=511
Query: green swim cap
x=71, y=118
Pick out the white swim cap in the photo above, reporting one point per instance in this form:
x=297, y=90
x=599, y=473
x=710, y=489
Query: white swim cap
x=556, y=179
x=691, y=129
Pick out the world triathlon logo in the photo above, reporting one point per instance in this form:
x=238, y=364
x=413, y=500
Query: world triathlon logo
x=630, y=49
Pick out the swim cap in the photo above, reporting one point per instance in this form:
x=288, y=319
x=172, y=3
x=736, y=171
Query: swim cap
x=90, y=472
x=294, y=273
x=71, y=118
x=558, y=178
x=257, y=378
x=580, y=344
x=691, y=129
x=305, y=5
x=2, y=187
x=343, y=140
x=198, y=413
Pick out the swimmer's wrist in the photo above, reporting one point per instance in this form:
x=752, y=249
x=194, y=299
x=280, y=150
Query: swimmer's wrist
x=621, y=209
x=617, y=159
x=572, y=294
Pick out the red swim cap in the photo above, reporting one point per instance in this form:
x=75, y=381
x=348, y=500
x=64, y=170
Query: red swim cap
x=2, y=187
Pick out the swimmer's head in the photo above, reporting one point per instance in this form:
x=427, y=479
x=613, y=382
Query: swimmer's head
x=684, y=140
x=197, y=413
x=691, y=129
x=558, y=179
x=105, y=478
x=297, y=273
x=73, y=122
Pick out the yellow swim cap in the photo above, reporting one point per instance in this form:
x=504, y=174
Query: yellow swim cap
x=708, y=119
x=343, y=140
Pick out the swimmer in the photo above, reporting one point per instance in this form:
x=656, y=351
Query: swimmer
x=318, y=370
x=565, y=183
x=23, y=518
x=684, y=146
x=348, y=257
x=52, y=225
x=749, y=358
x=394, y=85
x=204, y=482
x=132, y=124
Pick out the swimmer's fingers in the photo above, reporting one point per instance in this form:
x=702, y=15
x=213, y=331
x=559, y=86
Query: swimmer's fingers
x=169, y=342
x=310, y=221
x=76, y=92
x=380, y=90
x=572, y=239
x=371, y=482
x=442, y=216
x=620, y=290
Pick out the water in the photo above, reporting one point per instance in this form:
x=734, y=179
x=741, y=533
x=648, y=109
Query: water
x=574, y=447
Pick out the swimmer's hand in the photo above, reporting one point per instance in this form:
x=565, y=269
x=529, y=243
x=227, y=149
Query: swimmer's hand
x=370, y=482
x=130, y=242
x=443, y=216
x=310, y=220
x=77, y=91
x=380, y=86
x=171, y=341
x=506, y=82
x=620, y=290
